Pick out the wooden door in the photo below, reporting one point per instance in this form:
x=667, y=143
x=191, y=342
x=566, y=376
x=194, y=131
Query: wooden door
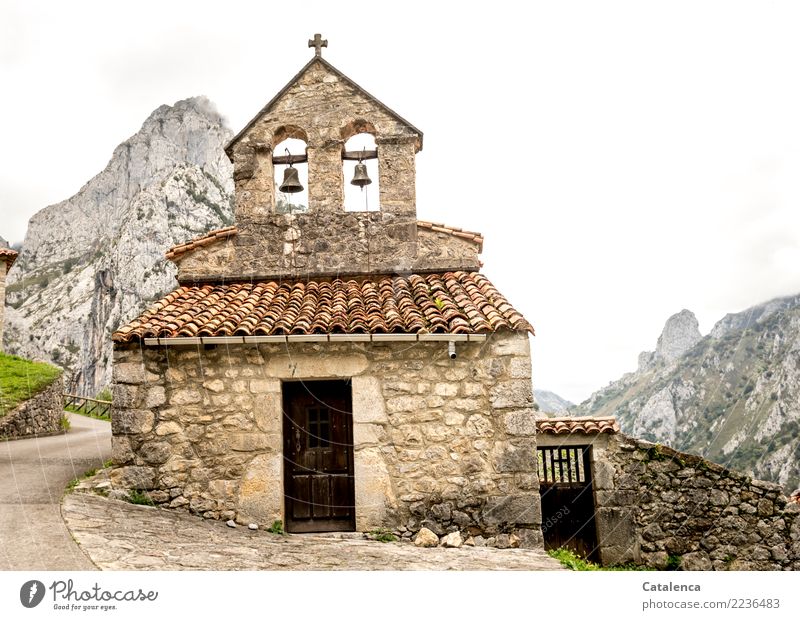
x=565, y=485
x=318, y=456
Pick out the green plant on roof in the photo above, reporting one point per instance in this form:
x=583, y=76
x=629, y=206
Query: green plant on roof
x=439, y=303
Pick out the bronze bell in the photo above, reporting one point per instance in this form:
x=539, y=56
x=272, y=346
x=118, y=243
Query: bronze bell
x=291, y=182
x=361, y=178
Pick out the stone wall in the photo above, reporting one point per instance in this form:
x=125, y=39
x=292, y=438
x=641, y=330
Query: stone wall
x=301, y=245
x=656, y=505
x=40, y=415
x=447, y=444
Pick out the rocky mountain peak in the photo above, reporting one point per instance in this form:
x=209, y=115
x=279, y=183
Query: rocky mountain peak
x=681, y=332
x=97, y=259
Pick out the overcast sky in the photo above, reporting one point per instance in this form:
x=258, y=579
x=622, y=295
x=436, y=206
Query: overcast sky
x=624, y=160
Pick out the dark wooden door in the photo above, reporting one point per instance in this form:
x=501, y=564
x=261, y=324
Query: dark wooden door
x=565, y=484
x=318, y=456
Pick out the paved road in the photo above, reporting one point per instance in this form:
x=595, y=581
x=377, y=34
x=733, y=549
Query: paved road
x=121, y=536
x=33, y=475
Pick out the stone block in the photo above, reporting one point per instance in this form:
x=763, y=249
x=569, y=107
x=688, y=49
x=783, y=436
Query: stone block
x=121, y=451
x=252, y=442
x=268, y=412
x=185, y=397
x=131, y=421
x=316, y=366
x=507, y=457
x=156, y=397
x=520, y=368
x=260, y=493
x=502, y=345
x=168, y=428
x=125, y=396
x=133, y=477
x=523, y=509
x=155, y=452
x=212, y=385
x=445, y=389
x=516, y=394
x=696, y=560
x=615, y=527
x=520, y=422
x=129, y=372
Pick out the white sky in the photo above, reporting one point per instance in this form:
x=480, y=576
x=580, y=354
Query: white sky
x=624, y=160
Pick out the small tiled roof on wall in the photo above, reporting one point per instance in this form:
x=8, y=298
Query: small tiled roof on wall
x=177, y=251
x=210, y=237
x=444, y=303
x=571, y=426
x=8, y=256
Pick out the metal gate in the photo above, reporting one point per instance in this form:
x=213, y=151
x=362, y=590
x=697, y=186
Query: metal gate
x=565, y=484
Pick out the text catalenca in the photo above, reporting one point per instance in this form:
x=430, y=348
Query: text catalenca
x=670, y=587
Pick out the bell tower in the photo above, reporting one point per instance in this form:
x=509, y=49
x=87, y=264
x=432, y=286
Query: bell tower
x=323, y=109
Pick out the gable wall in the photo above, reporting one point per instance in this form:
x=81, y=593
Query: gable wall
x=448, y=444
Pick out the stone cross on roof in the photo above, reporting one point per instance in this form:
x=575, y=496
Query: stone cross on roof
x=318, y=43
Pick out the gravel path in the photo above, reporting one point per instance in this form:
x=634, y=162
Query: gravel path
x=121, y=536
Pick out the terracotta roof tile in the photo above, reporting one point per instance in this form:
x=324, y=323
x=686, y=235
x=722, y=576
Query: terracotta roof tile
x=571, y=426
x=445, y=303
x=212, y=236
x=177, y=251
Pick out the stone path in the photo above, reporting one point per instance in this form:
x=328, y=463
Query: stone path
x=33, y=476
x=121, y=536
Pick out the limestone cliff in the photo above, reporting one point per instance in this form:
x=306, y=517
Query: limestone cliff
x=97, y=259
x=732, y=396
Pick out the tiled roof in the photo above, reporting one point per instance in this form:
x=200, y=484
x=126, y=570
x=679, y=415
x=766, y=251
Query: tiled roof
x=445, y=303
x=8, y=256
x=207, y=239
x=177, y=251
x=571, y=426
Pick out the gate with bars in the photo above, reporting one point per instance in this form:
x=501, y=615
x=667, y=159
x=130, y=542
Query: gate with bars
x=568, y=507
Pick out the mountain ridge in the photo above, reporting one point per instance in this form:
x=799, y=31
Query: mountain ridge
x=733, y=397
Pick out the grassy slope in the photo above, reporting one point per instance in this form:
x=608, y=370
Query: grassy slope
x=20, y=379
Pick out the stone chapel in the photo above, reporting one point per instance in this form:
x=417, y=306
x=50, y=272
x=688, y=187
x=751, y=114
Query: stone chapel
x=333, y=370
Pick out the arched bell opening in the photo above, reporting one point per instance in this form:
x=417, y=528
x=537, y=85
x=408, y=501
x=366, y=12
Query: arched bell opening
x=290, y=161
x=360, y=169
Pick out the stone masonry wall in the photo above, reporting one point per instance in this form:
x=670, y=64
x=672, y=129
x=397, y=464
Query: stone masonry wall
x=292, y=245
x=446, y=444
x=40, y=415
x=655, y=503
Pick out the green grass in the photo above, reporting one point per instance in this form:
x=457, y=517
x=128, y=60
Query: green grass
x=137, y=497
x=276, y=527
x=384, y=536
x=573, y=561
x=21, y=379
